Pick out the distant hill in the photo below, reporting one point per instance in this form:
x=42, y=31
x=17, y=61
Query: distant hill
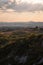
x=21, y=24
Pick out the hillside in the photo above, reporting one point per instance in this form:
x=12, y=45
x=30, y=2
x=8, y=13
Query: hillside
x=21, y=48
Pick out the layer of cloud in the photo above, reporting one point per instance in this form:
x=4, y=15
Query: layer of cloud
x=22, y=7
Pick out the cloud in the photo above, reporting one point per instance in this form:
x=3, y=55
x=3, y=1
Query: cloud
x=22, y=7
x=7, y=4
x=28, y=7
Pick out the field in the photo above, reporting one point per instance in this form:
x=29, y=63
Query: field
x=21, y=46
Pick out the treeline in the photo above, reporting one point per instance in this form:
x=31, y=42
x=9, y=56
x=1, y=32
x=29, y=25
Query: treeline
x=13, y=28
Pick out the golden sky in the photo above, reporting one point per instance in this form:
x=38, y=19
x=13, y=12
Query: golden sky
x=22, y=11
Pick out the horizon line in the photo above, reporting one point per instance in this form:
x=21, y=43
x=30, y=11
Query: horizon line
x=18, y=21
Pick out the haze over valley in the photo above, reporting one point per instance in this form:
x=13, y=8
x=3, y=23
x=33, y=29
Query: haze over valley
x=21, y=24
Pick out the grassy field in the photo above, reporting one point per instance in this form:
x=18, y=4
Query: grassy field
x=21, y=47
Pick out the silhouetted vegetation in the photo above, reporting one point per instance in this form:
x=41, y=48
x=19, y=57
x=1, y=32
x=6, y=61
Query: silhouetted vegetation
x=21, y=48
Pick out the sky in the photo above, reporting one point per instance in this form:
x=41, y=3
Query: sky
x=21, y=10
